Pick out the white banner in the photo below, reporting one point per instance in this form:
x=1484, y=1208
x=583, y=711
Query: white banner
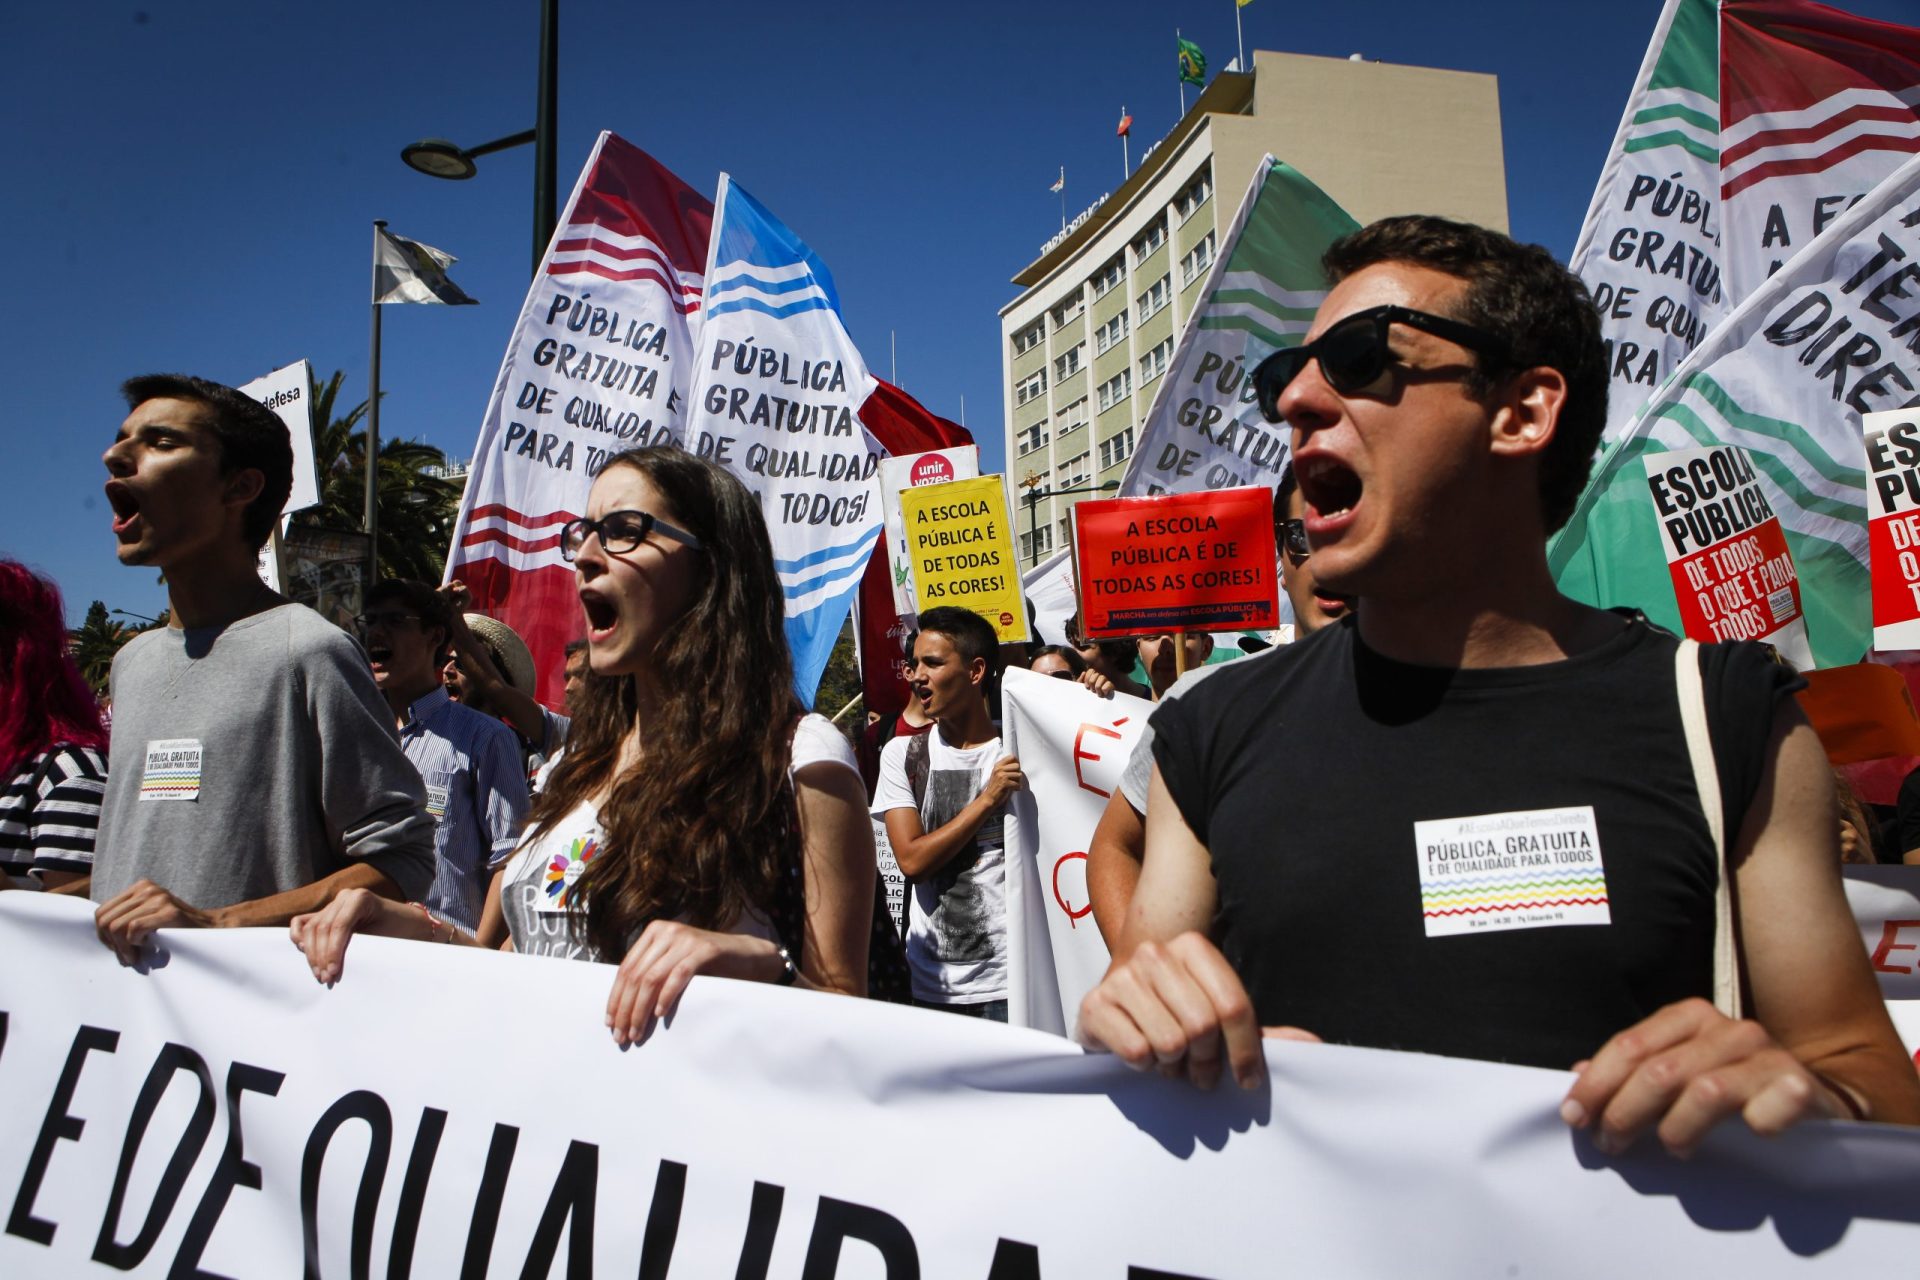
x=1073, y=747
x=445, y=1111
x=288, y=392
x=1886, y=904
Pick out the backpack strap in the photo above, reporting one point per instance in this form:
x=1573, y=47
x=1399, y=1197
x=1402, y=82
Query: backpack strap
x=1706, y=781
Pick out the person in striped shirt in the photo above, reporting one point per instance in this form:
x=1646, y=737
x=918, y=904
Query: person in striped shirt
x=52, y=742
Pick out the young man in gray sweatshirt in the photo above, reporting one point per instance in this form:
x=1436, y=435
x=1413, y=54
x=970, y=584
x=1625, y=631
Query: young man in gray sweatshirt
x=255, y=771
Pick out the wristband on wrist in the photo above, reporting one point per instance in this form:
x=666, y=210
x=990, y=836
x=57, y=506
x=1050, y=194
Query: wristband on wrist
x=433, y=923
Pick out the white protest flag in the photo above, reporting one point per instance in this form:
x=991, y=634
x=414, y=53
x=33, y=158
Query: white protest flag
x=1650, y=246
x=1787, y=377
x=408, y=271
x=220, y=1112
x=1049, y=589
x=1817, y=107
x=288, y=392
x=1073, y=747
x=1885, y=902
x=600, y=360
x=777, y=391
x=1204, y=430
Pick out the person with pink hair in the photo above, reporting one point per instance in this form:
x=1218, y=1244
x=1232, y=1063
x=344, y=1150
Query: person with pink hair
x=52, y=742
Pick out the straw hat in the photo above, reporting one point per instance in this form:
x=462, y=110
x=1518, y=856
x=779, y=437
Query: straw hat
x=506, y=645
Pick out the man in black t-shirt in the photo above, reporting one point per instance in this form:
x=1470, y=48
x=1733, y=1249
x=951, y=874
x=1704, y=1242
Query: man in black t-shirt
x=1467, y=821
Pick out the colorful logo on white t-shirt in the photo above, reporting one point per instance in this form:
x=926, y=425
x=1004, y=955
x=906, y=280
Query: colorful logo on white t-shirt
x=567, y=867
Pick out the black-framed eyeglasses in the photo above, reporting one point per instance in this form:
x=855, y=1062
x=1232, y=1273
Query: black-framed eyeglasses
x=384, y=618
x=620, y=532
x=1292, y=535
x=1354, y=353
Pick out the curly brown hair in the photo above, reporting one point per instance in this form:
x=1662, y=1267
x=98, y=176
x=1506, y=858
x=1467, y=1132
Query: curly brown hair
x=705, y=827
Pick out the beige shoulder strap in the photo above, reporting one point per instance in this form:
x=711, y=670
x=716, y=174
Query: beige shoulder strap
x=1706, y=781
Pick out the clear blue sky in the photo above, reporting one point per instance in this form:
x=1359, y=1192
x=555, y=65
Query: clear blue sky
x=190, y=186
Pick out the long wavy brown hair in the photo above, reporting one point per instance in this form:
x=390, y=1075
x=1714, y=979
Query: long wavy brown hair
x=705, y=827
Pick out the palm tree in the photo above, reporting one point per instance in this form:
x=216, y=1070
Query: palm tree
x=95, y=641
x=418, y=503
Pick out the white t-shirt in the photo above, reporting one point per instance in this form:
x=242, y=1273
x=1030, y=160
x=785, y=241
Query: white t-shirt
x=957, y=928
x=544, y=868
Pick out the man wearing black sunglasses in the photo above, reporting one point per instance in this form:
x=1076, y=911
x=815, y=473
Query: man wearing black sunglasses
x=1480, y=819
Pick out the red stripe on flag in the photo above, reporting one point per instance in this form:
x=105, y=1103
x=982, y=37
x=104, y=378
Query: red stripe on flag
x=489, y=510
x=505, y=539
x=607, y=273
x=1894, y=114
x=641, y=253
x=1820, y=163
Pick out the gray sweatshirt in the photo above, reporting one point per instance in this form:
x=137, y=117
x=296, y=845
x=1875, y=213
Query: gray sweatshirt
x=251, y=759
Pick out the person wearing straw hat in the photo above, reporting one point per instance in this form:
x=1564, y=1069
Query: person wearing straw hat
x=492, y=671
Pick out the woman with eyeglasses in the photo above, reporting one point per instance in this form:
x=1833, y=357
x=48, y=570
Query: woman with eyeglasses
x=697, y=821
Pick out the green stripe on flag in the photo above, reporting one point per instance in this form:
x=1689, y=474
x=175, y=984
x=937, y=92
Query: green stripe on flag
x=1791, y=434
x=1243, y=325
x=1674, y=138
x=1776, y=468
x=1681, y=112
x=1254, y=298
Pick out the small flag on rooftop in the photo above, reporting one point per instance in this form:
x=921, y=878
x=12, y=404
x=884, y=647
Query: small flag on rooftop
x=1126, y=123
x=1060, y=183
x=1193, y=63
x=407, y=271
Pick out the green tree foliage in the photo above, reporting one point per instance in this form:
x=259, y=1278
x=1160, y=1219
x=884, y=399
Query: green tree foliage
x=840, y=682
x=95, y=641
x=417, y=502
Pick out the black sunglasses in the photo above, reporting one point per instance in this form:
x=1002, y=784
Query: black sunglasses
x=1353, y=353
x=1293, y=539
x=620, y=532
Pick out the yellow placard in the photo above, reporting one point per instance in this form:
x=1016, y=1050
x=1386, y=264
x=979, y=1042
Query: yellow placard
x=962, y=549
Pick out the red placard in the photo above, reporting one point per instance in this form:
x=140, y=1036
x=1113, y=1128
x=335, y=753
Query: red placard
x=1177, y=562
x=1893, y=526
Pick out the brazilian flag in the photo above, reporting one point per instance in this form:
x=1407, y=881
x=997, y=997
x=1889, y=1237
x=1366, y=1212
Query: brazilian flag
x=1193, y=63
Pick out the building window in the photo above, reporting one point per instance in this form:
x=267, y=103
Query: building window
x=1115, y=449
x=1154, y=298
x=1029, y=338
x=1069, y=364
x=1114, y=330
x=1150, y=239
x=1073, y=472
x=1196, y=260
x=1069, y=310
x=1036, y=544
x=1116, y=389
x=1033, y=437
x=1074, y=416
x=1110, y=275
x=1188, y=202
x=1066, y=530
x=1154, y=363
x=1032, y=387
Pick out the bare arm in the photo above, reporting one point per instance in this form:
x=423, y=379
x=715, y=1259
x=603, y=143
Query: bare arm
x=1113, y=865
x=323, y=935
x=126, y=921
x=1819, y=1041
x=841, y=869
x=920, y=853
x=1170, y=1000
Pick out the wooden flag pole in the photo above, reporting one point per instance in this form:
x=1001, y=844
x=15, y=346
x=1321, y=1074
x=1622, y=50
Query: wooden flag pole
x=1179, y=654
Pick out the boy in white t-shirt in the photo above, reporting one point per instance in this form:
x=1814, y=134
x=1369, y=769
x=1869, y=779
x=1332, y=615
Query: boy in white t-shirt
x=942, y=795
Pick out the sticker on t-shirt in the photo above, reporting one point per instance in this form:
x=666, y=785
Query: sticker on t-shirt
x=173, y=770
x=1527, y=870
x=563, y=870
x=436, y=802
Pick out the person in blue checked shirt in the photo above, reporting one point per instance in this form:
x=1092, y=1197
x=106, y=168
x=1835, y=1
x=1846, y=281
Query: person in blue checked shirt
x=469, y=761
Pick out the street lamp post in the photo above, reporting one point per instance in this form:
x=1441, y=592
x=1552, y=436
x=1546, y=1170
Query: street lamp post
x=438, y=158
x=1033, y=508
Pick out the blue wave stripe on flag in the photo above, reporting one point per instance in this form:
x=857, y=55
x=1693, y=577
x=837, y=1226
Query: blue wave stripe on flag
x=778, y=313
x=744, y=280
x=827, y=553
x=748, y=232
x=857, y=566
